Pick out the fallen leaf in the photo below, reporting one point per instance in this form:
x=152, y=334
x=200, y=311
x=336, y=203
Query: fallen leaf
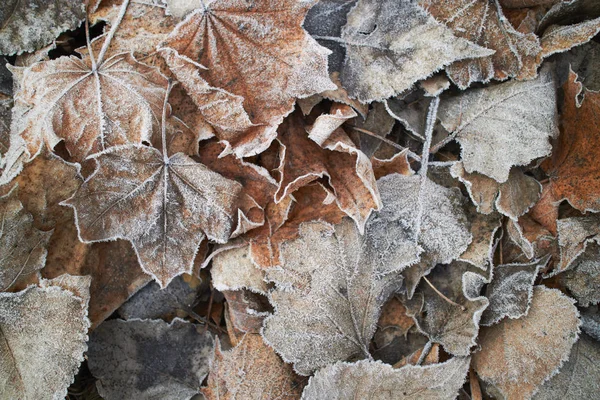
x=28, y=25
x=574, y=235
x=247, y=310
x=390, y=45
x=504, y=125
x=146, y=359
x=518, y=355
x=251, y=370
x=44, y=332
x=483, y=229
x=557, y=38
x=234, y=270
x=583, y=277
x=590, y=322
x=378, y=381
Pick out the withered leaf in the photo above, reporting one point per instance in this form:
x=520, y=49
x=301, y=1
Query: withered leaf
x=328, y=296
x=516, y=54
x=91, y=105
x=573, y=169
x=483, y=228
x=574, y=235
x=590, y=322
x=28, y=25
x=510, y=291
x=149, y=359
x=251, y=370
x=504, y=125
x=23, y=247
x=245, y=65
x=583, y=277
x=579, y=377
x=518, y=355
x=378, y=381
x=163, y=206
x=247, y=310
x=234, y=270
x=44, y=334
x=390, y=45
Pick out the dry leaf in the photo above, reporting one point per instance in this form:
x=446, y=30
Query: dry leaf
x=483, y=229
x=251, y=370
x=246, y=65
x=583, y=277
x=390, y=45
x=590, y=322
x=28, y=25
x=574, y=235
x=149, y=359
x=233, y=270
x=483, y=22
x=247, y=310
x=517, y=356
x=44, y=334
x=504, y=125
x=378, y=381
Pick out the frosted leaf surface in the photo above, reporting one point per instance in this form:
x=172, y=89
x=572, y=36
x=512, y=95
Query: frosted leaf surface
x=583, y=278
x=518, y=355
x=234, y=270
x=504, y=125
x=164, y=207
x=43, y=333
x=390, y=45
x=328, y=296
x=28, y=25
x=149, y=359
x=483, y=228
x=574, y=235
x=378, y=381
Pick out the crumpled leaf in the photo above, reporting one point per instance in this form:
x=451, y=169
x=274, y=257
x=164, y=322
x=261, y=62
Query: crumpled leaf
x=583, y=277
x=518, y=355
x=149, y=359
x=44, y=334
x=378, y=381
x=28, y=25
x=348, y=170
x=512, y=198
x=483, y=22
x=246, y=65
x=483, y=229
x=251, y=370
x=23, y=247
x=328, y=296
x=164, y=207
x=574, y=235
x=579, y=377
x=390, y=45
x=504, y=125
x=573, y=168
x=247, y=310
x=510, y=291
x=454, y=326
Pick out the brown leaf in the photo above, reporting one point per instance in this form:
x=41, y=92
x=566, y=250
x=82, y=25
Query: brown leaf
x=545, y=211
x=557, y=39
x=398, y=164
x=246, y=65
x=251, y=371
x=483, y=228
x=247, y=310
x=573, y=168
x=517, y=356
x=482, y=22
x=574, y=235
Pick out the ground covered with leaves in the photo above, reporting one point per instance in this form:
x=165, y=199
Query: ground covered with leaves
x=299, y=199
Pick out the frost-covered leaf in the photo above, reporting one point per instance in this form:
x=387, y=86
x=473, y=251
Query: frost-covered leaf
x=518, y=355
x=233, y=270
x=454, y=326
x=43, y=333
x=573, y=169
x=512, y=198
x=379, y=122
x=28, y=25
x=557, y=38
x=483, y=228
x=483, y=22
x=574, y=235
x=583, y=277
x=165, y=207
x=247, y=310
x=149, y=359
x=251, y=370
x=390, y=45
x=504, y=125
x=590, y=322
x=245, y=64
x=23, y=247
x=581, y=60
x=579, y=377
x=510, y=291
x=378, y=381
x=328, y=295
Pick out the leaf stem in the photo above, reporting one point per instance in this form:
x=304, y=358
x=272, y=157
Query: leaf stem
x=442, y=295
x=386, y=141
x=431, y=118
x=163, y=125
x=424, y=352
x=113, y=30
x=87, y=37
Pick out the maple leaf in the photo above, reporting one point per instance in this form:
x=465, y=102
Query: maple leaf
x=163, y=205
x=23, y=247
x=519, y=355
x=246, y=65
x=251, y=370
x=390, y=45
x=504, y=125
x=378, y=381
x=28, y=25
x=572, y=169
x=145, y=359
x=483, y=22
x=43, y=331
